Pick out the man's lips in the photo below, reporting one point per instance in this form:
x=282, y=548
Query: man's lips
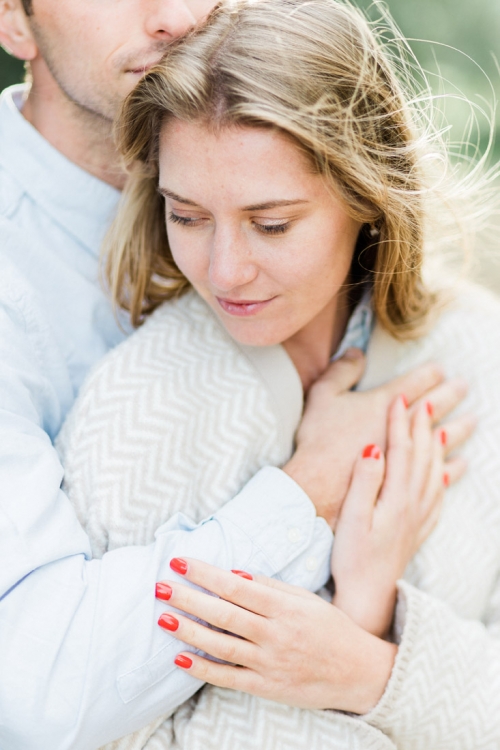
x=243, y=308
x=143, y=69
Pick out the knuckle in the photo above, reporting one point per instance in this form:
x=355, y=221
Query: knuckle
x=231, y=587
x=202, y=669
x=226, y=619
x=229, y=649
x=230, y=677
x=435, y=372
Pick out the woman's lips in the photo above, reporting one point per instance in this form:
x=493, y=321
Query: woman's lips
x=243, y=308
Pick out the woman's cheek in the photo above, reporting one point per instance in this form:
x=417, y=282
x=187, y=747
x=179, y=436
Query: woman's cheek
x=189, y=257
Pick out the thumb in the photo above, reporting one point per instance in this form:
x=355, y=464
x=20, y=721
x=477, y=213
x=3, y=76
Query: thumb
x=345, y=372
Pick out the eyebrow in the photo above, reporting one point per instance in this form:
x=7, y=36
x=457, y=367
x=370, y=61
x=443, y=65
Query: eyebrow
x=256, y=207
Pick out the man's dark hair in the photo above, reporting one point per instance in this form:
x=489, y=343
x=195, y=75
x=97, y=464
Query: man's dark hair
x=28, y=6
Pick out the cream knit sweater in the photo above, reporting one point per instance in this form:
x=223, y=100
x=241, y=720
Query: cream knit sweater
x=179, y=407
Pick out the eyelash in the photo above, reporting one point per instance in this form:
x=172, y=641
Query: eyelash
x=269, y=229
x=185, y=221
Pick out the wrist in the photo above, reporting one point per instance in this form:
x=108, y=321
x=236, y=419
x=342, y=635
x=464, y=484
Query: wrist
x=372, y=613
x=375, y=672
x=305, y=469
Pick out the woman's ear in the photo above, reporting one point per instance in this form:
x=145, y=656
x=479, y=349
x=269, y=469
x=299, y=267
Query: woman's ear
x=15, y=31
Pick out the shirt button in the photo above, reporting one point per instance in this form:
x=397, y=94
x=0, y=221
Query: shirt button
x=294, y=535
x=311, y=564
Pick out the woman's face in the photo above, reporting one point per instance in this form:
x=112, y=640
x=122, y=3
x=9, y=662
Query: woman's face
x=258, y=235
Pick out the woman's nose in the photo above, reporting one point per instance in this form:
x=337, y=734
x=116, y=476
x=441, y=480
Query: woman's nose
x=231, y=264
x=168, y=19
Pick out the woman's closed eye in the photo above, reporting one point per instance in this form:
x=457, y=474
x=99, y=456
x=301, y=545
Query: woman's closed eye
x=265, y=226
x=272, y=227
x=186, y=221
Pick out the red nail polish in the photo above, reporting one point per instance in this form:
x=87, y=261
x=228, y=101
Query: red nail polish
x=444, y=437
x=446, y=480
x=169, y=622
x=404, y=400
x=183, y=661
x=163, y=591
x=372, y=451
x=430, y=409
x=179, y=565
x=243, y=574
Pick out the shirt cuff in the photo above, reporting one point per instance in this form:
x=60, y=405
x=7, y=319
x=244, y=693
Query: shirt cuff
x=270, y=528
x=289, y=541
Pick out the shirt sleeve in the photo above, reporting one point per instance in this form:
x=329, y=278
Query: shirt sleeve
x=82, y=658
x=444, y=691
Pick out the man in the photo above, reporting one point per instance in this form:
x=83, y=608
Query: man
x=82, y=660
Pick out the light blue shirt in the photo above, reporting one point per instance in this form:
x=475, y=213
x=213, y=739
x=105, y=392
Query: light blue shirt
x=82, y=659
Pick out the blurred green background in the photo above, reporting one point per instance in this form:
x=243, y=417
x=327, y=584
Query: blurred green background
x=470, y=29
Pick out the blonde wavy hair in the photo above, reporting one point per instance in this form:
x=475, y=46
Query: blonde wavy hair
x=316, y=71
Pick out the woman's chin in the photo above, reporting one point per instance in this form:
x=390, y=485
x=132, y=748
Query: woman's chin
x=252, y=334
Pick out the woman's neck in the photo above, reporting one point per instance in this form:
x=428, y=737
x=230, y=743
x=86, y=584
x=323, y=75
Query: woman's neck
x=311, y=348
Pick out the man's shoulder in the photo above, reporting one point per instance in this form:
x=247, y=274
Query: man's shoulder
x=11, y=195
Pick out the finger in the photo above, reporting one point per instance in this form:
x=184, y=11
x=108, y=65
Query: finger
x=219, y=645
x=454, y=469
x=422, y=453
x=215, y=611
x=221, y=675
x=364, y=490
x=437, y=481
x=287, y=588
x=256, y=597
x=399, y=453
x=416, y=383
x=458, y=431
x=344, y=373
x=445, y=397
x=429, y=525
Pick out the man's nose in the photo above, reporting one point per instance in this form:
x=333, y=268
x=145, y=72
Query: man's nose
x=231, y=264
x=168, y=19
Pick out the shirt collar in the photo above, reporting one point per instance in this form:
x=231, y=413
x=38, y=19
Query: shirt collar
x=75, y=199
x=359, y=327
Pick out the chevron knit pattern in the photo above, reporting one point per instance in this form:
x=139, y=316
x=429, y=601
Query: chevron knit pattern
x=444, y=693
x=175, y=409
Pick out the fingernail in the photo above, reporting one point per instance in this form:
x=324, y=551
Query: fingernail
x=430, y=408
x=446, y=480
x=243, y=574
x=163, y=591
x=372, y=451
x=352, y=353
x=444, y=437
x=183, y=661
x=404, y=400
x=179, y=565
x=169, y=622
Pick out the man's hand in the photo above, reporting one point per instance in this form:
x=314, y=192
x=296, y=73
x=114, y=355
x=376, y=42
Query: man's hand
x=338, y=422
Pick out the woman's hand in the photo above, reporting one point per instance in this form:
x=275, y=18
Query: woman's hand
x=293, y=647
x=391, y=508
x=338, y=422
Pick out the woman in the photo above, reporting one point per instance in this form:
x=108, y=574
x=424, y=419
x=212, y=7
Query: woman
x=293, y=182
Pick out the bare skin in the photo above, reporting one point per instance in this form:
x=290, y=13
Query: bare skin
x=76, y=95
x=294, y=647
x=319, y=464
x=266, y=244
